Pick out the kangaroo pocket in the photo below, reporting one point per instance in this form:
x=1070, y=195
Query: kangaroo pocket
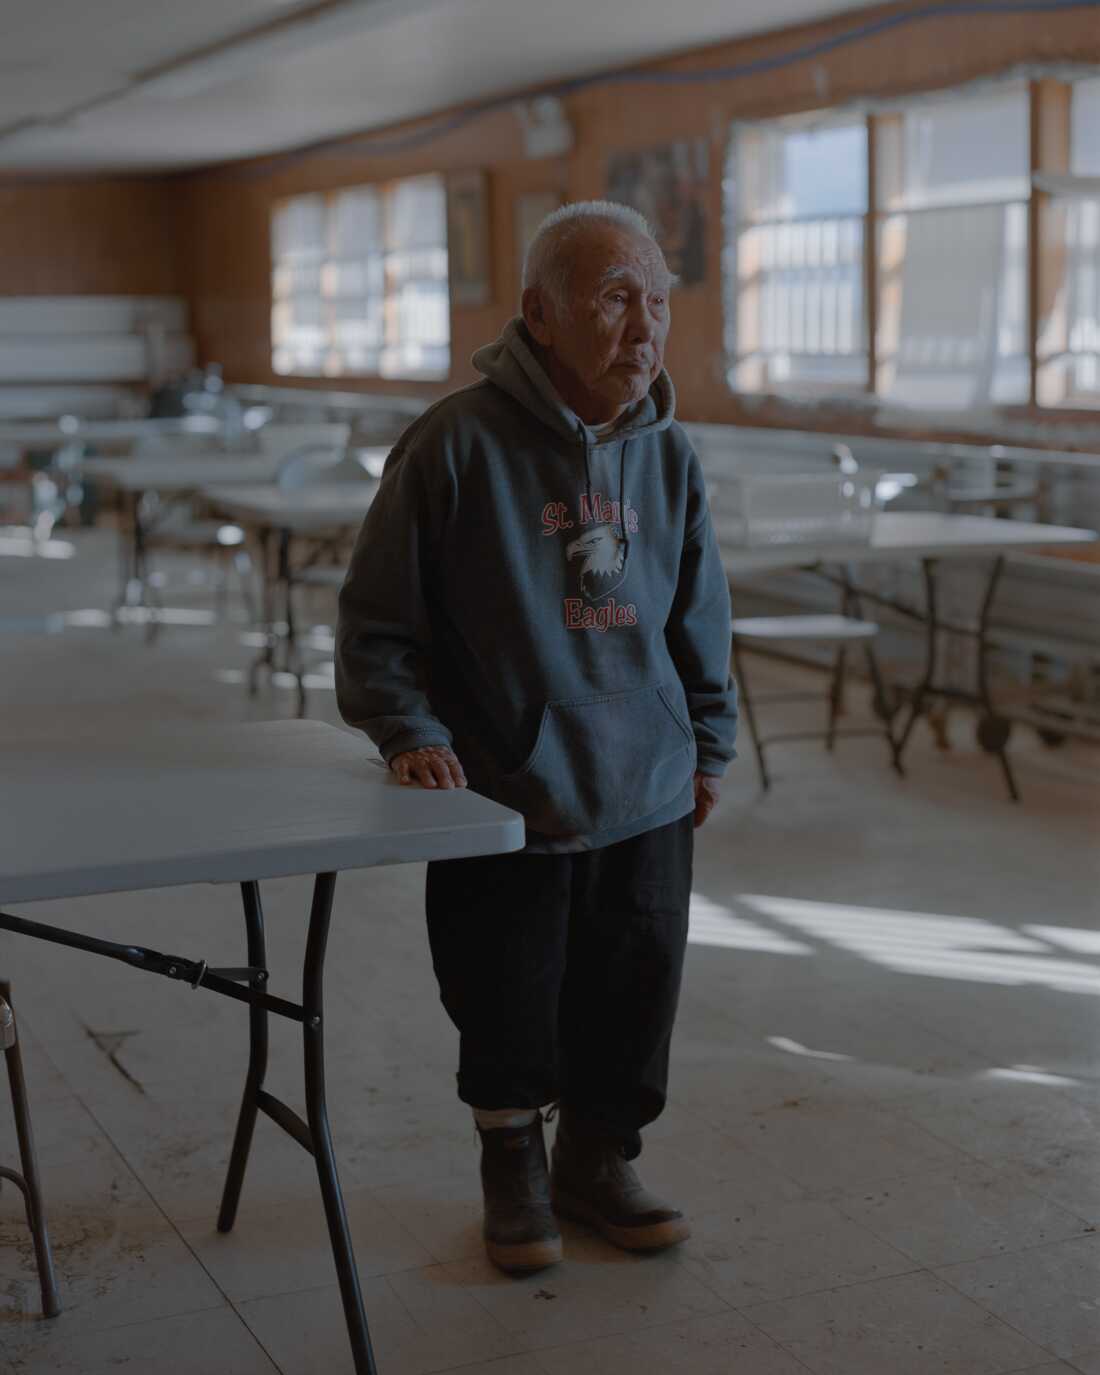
x=601, y=761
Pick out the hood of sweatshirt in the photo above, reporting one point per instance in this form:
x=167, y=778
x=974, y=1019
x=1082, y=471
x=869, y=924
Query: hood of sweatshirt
x=512, y=364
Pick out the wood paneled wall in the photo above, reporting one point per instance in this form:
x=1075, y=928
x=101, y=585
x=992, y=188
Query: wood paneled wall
x=115, y=236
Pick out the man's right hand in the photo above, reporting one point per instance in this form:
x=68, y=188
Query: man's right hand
x=434, y=766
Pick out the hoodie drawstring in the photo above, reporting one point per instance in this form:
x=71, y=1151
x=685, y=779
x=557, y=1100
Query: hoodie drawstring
x=622, y=501
x=587, y=464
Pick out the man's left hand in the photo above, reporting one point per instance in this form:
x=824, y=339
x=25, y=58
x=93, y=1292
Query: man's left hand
x=707, y=791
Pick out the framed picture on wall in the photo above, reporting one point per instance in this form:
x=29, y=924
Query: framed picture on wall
x=669, y=187
x=531, y=209
x=468, y=238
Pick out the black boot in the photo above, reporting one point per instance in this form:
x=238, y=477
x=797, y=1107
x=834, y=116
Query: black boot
x=521, y=1233
x=591, y=1181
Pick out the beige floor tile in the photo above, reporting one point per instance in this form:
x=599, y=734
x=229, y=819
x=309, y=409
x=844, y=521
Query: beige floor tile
x=715, y=1345
x=178, y=1144
x=506, y=1365
x=774, y=1251
x=213, y=1342
x=1053, y=1368
x=280, y=1243
x=422, y=1325
x=828, y=1146
x=961, y=1213
x=595, y=1292
x=117, y=1259
x=704, y=1171
x=908, y=1325
x=64, y=1133
x=1051, y=1138
x=1050, y=1293
x=443, y=1214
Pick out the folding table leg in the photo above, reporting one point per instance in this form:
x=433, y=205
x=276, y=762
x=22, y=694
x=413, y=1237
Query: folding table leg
x=257, y=1059
x=317, y=1114
x=317, y=1137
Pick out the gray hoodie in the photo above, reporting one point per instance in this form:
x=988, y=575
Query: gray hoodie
x=549, y=603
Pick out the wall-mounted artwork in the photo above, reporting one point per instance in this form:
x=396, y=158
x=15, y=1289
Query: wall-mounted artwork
x=668, y=186
x=468, y=238
x=531, y=209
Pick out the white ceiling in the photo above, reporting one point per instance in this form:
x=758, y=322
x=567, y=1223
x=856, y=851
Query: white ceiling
x=169, y=84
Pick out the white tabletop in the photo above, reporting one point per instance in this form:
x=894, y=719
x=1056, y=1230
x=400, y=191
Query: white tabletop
x=906, y=535
x=179, y=474
x=321, y=506
x=92, y=812
x=25, y=434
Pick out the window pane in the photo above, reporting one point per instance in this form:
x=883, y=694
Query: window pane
x=417, y=213
x=1085, y=128
x=953, y=307
x=298, y=330
x=1069, y=335
x=794, y=267
x=784, y=172
x=966, y=150
x=417, y=315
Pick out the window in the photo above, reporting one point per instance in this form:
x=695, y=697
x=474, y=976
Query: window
x=797, y=199
x=918, y=288
x=359, y=282
x=953, y=189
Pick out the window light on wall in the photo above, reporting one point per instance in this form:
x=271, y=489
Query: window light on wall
x=359, y=282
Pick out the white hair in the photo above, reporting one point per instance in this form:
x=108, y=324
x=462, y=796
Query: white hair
x=548, y=264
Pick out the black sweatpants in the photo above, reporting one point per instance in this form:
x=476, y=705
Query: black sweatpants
x=562, y=974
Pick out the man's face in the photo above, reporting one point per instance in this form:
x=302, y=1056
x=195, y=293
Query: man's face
x=607, y=345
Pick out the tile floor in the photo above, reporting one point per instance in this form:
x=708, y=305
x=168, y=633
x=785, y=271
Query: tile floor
x=884, y=1094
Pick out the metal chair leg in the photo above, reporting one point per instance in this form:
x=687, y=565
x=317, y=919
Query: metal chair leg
x=750, y=715
x=29, y=1182
x=836, y=696
x=882, y=709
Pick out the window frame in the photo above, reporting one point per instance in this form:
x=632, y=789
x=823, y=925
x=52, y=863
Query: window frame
x=1050, y=184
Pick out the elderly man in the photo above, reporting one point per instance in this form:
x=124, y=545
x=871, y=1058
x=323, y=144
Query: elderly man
x=536, y=604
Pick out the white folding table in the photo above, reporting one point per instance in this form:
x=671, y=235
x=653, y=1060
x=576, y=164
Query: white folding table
x=928, y=537
x=47, y=434
x=86, y=813
x=320, y=512
x=175, y=477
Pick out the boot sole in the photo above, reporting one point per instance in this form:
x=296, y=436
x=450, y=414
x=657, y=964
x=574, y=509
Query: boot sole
x=656, y=1236
x=522, y=1258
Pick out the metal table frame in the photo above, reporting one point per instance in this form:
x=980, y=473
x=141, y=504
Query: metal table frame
x=993, y=729
x=248, y=984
